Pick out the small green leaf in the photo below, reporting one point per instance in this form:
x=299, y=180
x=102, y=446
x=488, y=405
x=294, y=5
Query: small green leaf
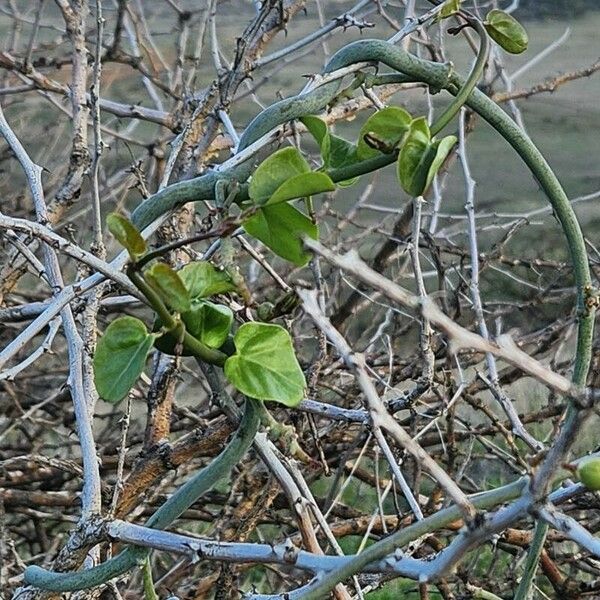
x=275, y=170
x=208, y=322
x=302, y=186
x=389, y=125
x=506, y=31
x=316, y=127
x=413, y=154
x=442, y=149
x=342, y=153
x=169, y=286
x=336, y=152
x=265, y=365
x=127, y=235
x=120, y=357
x=588, y=471
x=203, y=280
x=280, y=227
x=449, y=8
x=421, y=157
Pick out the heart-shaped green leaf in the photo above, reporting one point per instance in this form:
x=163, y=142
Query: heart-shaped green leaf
x=120, y=357
x=387, y=126
x=203, y=280
x=302, y=186
x=275, y=170
x=506, y=31
x=281, y=227
x=127, y=235
x=265, y=365
x=169, y=286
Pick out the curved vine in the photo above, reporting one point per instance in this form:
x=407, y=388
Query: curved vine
x=180, y=501
x=437, y=76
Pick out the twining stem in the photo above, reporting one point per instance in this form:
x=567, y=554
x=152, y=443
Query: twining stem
x=180, y=501
x=472, y=80
x=439, y=77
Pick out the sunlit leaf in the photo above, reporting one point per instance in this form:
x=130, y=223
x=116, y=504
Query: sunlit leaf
x=449, y=8
x=265, y=365
x=302, y=186
x=413, y=157
x=169, y=286
x=126, y=234
x=206, y=321
x=202, y=280
x=421, y=157
x=209, y=322
x=388, y=125
x=442, y=149
x=588, y=471
x=317, y=128
x=336, y=152
x=275, y=170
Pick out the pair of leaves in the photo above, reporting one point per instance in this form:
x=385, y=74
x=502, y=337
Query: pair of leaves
x=391, y=127
x=194, y=281
x=421, y=157
x=264, y=365
x=506, y=31
x=122, y=350
x=283, y=176
x=502, y=27
x=208, y=322
x=336, y=152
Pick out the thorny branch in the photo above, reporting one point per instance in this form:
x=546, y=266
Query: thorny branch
x=400, y=462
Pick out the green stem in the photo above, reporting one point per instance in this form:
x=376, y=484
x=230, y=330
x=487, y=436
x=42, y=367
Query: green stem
x=400, y=538
x=180, y=501
x=149, y=591
x=474, y=76
x=195, y=346
x=524, y=590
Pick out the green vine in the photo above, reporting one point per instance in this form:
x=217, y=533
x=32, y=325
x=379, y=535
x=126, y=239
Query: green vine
x=258, y=358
